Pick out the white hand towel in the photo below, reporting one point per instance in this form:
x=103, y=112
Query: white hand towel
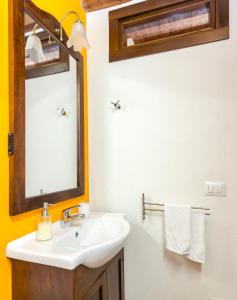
x=178, y=228
x=197, y=249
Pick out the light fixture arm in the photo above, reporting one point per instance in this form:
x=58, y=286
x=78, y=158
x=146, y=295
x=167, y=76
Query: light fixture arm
x=72, y=12
x=34, y=29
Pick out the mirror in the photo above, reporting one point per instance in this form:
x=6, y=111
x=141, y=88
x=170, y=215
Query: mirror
x=51, y=116
x=43, y=54
x=48, y=141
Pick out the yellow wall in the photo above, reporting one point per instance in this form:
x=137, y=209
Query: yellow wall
x=13, y=227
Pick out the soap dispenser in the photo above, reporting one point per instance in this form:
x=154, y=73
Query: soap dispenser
x=44, y=231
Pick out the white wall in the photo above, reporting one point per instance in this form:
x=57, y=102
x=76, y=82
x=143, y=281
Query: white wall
x=177, y=129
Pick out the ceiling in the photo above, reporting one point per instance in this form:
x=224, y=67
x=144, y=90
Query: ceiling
x=92, y=5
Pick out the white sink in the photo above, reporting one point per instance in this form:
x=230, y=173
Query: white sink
x=95, y=241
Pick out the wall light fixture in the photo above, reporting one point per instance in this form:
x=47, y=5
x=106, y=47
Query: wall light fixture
x=33, y=47
x=78, y=38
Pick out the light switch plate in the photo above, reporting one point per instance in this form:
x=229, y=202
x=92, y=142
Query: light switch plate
x=217, y=189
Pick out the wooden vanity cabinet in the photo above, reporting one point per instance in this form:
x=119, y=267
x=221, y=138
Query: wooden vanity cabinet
x=31, y=281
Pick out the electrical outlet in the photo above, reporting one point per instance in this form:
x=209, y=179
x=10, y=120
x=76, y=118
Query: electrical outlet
x=217, y=189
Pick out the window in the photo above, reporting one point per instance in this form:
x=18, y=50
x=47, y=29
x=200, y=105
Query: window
x=151, y=27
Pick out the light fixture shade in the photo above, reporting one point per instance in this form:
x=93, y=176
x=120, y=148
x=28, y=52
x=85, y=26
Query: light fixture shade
x=34, y=48
x=78, y=38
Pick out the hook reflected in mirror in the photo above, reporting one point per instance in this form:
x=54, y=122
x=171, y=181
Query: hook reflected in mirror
x=62, y=112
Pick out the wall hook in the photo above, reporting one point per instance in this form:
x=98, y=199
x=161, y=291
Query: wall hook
x=116, y=105
x=62, y=112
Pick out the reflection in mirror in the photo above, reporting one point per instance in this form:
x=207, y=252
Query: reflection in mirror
x=43, y=55
x=51, y=120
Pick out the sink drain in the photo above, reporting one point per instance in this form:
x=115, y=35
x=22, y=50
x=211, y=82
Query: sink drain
x=76, y=234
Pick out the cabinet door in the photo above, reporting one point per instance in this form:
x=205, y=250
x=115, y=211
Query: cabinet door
x=115, y=278
x=98, y=291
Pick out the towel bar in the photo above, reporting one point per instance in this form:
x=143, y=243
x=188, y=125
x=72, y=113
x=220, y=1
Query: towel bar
x=144, y=209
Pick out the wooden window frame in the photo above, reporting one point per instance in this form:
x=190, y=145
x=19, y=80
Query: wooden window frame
x=218, y=30
x=19, y=203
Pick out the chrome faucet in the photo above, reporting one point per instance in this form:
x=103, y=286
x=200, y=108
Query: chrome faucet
x=69, y=218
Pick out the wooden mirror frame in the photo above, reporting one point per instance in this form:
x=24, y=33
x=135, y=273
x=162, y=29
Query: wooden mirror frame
x=16, y=147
